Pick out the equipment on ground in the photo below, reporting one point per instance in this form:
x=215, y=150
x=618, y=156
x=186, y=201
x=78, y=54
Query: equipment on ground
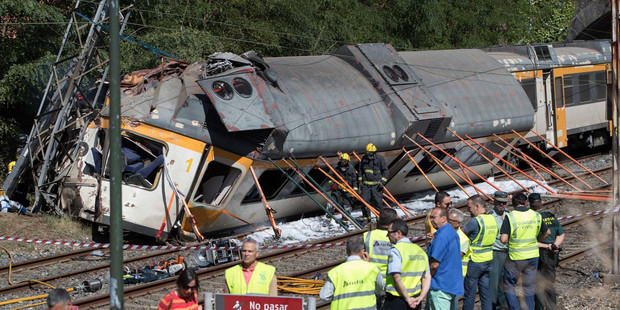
x=208, y=258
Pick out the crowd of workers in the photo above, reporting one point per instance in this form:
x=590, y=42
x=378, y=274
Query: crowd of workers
x=385, y=270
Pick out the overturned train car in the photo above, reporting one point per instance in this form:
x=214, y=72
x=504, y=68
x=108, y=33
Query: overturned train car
x=200, y=127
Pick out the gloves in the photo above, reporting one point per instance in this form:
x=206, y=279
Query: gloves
x=380, y=186
x=334, y=187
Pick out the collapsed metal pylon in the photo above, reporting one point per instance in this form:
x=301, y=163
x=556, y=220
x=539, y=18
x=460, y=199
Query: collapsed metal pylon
x=74, y=94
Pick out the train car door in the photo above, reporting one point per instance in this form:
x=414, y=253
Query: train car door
x=559, y=107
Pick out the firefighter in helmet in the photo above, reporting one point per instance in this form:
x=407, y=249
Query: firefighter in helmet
x=372, y=177
x=340, y=194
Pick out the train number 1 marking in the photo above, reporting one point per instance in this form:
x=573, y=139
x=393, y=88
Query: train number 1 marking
x=189, y=164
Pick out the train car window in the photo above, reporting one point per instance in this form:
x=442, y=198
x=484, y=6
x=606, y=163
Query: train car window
x=390, y=73
x=529, y=86
x=542, y=53
x=401, y=73
x=242, y=87
x=142, y=159
x=223, y=90
x=271, y=182
x=585, y=88
x=216, y=184
x=557, y=92
x=568, y=90
x=316, y=175
x=601, y=85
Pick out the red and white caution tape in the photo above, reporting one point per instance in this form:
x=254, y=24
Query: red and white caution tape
x=278, y=247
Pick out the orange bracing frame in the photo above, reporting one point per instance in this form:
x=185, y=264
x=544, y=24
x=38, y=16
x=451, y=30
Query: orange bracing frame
x=346, y=186
x=420, y=169
x=388, y=195
x=553, y=160
x=442, y=164
x=268, y=209
x=167, y=216
x=189, y=215
x=242, y=220
x=459, y=162
x=530, y=160
x=569, y=157
x=488, y=159
x=344, y=214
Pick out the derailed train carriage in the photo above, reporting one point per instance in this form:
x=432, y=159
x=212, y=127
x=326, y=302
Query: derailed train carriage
x=200, y=127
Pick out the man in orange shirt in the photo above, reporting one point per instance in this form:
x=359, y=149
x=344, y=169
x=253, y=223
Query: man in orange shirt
x=251, y=276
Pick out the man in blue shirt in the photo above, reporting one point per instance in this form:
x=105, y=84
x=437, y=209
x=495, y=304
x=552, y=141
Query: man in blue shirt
x=445, y=263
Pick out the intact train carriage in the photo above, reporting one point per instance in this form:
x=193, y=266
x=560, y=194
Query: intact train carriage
x=202, y=126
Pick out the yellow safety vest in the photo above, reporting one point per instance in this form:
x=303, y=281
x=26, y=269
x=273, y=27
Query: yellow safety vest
x=259, y=282
x=378, y=246
x=354, y=285
x=464, y=242
x=482, y=245
x=413, y=267
x=524, y=227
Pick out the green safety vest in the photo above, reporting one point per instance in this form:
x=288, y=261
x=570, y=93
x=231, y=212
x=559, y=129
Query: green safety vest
x=378, y=246
x=259, y=282
x=524, y=227
x=413, y=267
x=464, y=242
x=482, y=245
x=354, y=285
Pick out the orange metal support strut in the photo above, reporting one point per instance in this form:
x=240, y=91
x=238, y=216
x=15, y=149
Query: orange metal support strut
x=569, y=157
x=553, y=160
x=420, y=169
x=440, y=163
x=488, y=159
x=460, y=163
x=268, y=209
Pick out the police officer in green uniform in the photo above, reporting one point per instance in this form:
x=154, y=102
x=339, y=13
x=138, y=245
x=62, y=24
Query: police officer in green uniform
x=356, y=283
x=548, y=249
x=500, y=252
x=520, y=229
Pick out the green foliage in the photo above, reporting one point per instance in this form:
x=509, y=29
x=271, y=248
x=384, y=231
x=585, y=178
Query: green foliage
x=193, y=29
x=40, y=32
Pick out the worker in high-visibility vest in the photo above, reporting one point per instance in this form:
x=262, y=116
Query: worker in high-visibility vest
x=522, y=229
x=356, y=283
x=377, y=243
x=408, y=274
x=482, y=230
x=251, y=276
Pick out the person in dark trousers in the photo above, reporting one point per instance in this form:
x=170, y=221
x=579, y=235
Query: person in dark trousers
x=520, y=229
x=356, y=283
x=500, y=252
x=339, y=193
x=547, y=262
x=408, y=273
x=372, y=177
x=482, y=230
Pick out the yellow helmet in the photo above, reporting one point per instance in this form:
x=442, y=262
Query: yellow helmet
x=371, y=148
x=11, y=164
x=345, y=156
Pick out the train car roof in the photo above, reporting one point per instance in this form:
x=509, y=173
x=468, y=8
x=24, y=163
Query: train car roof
x=547, y=56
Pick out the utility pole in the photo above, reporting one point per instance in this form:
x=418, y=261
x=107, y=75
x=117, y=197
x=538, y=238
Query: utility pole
x=116, y=211
x=615, y=226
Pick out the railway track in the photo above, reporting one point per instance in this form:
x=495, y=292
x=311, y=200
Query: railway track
x=159, y=288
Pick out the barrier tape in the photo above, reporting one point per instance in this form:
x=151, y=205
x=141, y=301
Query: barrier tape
x=278, y=247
